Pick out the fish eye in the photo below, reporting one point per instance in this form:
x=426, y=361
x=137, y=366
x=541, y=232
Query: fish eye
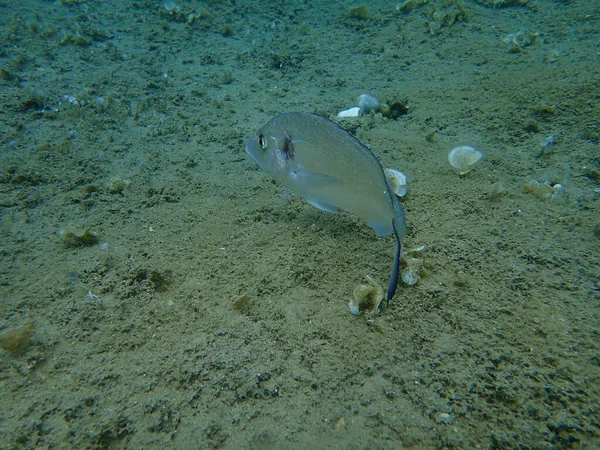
x=262, y=142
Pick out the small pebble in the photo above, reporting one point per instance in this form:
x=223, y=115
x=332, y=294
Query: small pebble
x=444, y=418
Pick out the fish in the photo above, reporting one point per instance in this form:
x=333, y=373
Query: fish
x=328, y=167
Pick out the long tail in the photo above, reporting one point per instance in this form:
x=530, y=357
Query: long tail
x=391, y=290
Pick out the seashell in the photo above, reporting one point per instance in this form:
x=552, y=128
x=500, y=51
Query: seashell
x=368, y=103
x=75, y=237
x=416, y=251
x=241, y=302
x=412, y=273
x=463, y=158
x=397, y=181
x=410, y=276
x=15, y=339
x=545, y=190
x=367, y=297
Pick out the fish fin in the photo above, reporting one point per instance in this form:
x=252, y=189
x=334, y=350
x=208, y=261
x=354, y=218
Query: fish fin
x=399, y=223
x=399, y=229
x=322, y=206
x=309, y=180
x=393, y=283
x=381, y=228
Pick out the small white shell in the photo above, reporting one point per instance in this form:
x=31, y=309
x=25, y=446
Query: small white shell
x=558, y=190
x=410, y=276
x=412, y=273
x=368, y=103
x=463, y=158
x=416, y=251
x=352, y=112
x=397, y=181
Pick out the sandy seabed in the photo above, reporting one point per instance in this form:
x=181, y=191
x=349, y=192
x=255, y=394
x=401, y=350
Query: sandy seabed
x=132, y=219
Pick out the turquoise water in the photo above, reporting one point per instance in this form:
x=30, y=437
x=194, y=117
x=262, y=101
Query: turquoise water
x=158, y=290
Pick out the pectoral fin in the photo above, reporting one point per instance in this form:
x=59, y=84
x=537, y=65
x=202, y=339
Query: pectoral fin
x=306, y=181
x=381, y=228
x=322, y=206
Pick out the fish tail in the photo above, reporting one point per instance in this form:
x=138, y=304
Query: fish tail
x=395, y=267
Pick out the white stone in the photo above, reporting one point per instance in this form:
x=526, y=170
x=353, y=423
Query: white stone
x=352, y=112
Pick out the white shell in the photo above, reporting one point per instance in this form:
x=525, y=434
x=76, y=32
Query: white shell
x=368, y=103
x=416, y=251
x=397, y=181
x=463, y=158
x=410, y=276
x=352, y=112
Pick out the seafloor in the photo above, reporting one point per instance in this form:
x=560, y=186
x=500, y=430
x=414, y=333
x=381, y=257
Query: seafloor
x=132, y=219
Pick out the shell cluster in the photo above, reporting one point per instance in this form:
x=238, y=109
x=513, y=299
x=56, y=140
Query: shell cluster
x=414, y=266
x=545, y=190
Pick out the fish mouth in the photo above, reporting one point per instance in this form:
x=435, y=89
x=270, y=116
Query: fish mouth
x=251, y=147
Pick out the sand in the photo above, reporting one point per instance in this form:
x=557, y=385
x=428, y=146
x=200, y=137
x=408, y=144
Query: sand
x=126, y=122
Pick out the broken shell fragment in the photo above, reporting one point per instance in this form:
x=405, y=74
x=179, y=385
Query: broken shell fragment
x=416, y=251
x=16, y=339
x=463, y=158
x=367, y=297
x=77, y=237
x=241, y=302
x=397, y=181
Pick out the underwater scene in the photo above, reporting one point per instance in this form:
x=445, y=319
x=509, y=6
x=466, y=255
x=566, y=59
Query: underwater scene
x=172, y=275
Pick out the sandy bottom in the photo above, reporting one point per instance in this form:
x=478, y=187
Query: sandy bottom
x=158, y=291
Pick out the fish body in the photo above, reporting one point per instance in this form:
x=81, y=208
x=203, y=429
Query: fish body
x=330, y=169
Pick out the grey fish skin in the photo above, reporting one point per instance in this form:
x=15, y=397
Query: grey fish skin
x=330, y=169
